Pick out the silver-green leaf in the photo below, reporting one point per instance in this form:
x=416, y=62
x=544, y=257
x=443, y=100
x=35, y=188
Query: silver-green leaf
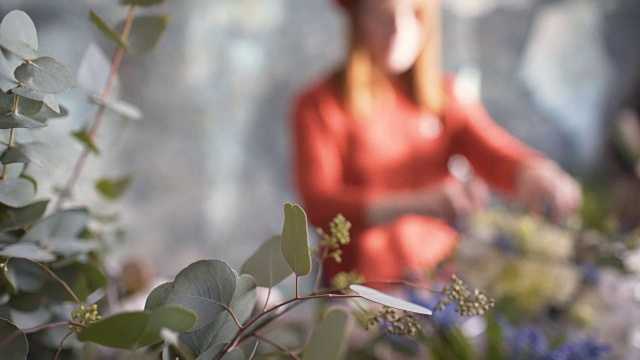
x=16, y=192
x=37, y=153
x=295, y=240
x=205, y=287
x=329, y=338
x=18, y=34
x=107, y=30
x=45, y=75
x=27, y=251
x=388, y=300
x=16, y=120
x=267, y=265
x=17, y=218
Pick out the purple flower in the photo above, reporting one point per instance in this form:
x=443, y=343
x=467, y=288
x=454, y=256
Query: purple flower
x=584, y=349
x=526, y=343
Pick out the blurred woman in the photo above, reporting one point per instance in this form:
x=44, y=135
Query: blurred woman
x=373, y=141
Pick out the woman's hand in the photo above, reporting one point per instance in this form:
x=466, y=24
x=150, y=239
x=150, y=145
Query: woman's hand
x=450, y=200
x=454, y=199
x=545, y=188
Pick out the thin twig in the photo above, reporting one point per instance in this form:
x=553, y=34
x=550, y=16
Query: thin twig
x=266, y=302
x=60, y=346
x=65, y=193
x=277, y=346
x=14, y=110
x=234, y=342
x=50, y=326
x=62, y=282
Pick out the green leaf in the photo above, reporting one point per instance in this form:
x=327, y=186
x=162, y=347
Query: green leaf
x=121, y=331
x=174, y=318
x=145, y=32
x=27, y=251
x=119, y=107
x=329, y=338
x=27, y=107
x=388, y=300
x=112, y=189
x=18, y=218
x=295, y=240
x=27, y=92
x=18, y=34
x=45, y=75
x=17, y=120
x=63, y=224
x=107, y=30
x=27, y=302
x=206, y=287
x=267, y=265
x=86, y=140
x=37, y=153
x=24, y=275
x=141, y=2
x=16, y=192
x=158, y=296
x=13, y=342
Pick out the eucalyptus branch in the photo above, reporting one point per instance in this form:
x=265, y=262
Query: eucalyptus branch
x=62, y=282
x=65, y=193
x=60, y=346
x=14, y=110
x=51, y=326
x=234, y=342
x=233, y=316
x=276, y=345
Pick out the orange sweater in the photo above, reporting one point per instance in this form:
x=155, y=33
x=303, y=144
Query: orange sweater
x=341, y=162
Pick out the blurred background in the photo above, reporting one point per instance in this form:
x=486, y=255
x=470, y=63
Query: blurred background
x=211, y=157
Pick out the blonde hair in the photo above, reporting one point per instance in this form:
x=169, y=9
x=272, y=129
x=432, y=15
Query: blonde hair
x=364, y=85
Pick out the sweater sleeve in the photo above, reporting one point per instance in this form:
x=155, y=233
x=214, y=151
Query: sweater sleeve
x=319, y=139
x=494, y=154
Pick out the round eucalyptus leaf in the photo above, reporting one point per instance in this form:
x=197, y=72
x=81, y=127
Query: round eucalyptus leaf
x=37, y=153
x=121, y=331
x=29, y=107
x=18, y=218
x=7, y=80
x=174, y=318
x=93, y=71
x=13, y=342
x=205, y=287
x=158, y=296
x=50, y=101
x=27, y=92
x=17, y=120
x=27, y=250
x=244, y=298
x=267, y=265
x=46, y=113
x=18, y=34
x=388, y=300
x=45, y=75
x=295, y=240
x=67, y=247
x=24, y=275
x=16, y=192
x=63, y=224
x=329, y=338
x=27, y=320
x=145, y=32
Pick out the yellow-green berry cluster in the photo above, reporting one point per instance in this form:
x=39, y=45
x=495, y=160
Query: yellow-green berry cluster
x=470, y=303
x=343, y=279
x=403, y=323
x=338, y=236
x=84, y=316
